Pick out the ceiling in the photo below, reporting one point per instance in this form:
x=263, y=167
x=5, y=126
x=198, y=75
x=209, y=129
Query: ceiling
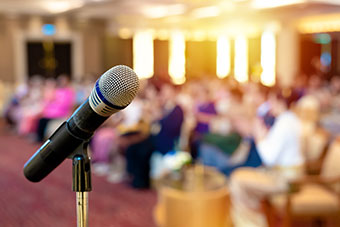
x=169, y=12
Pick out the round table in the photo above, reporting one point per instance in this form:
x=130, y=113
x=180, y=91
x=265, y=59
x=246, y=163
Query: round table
x=196, y=197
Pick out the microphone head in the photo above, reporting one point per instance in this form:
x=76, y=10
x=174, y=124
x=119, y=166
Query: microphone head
x=114, y=90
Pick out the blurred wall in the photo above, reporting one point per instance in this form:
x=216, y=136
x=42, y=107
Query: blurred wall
x=86, y=36
x=93, y=37
x=6, y=50
x=117, y=51
x=98, y=50
x=161, y=58
x=254, y=58
x=288, y=55
x=200, y=59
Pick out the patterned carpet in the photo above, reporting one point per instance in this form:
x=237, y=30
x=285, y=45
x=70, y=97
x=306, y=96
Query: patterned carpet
x=51, y=203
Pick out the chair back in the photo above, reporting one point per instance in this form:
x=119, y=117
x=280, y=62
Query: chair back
x=331, y=163
x=314, y=144
x=308, y=109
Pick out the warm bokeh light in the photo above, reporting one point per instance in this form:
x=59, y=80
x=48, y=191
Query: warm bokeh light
x=223, y=57
x=61, y=6
x=263, y=4
x=143, y=54
x=320, y=23
x=268, y=58
x=124, y=33
x=241, y=59
x=162, y=34
x=230, y=83
x=159, y=11
x=177, y=57
x=198, y=36
x=209, y=11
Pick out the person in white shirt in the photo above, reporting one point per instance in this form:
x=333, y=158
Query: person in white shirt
x=279, y=149
x=280, y=146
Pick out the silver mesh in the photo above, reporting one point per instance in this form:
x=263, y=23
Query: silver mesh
x=119, y=85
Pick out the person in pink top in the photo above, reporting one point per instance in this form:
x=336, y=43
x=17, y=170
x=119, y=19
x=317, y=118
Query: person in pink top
x=57, y=105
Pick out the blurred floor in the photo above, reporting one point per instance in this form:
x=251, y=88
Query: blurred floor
x=52, y=201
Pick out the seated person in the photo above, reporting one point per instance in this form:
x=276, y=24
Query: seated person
x=58, y=105
x=164, y=137
x=228, y=151
x=204, y=112
x=13, y=108
x=31, y=105
x=138, y=144
x=279, y=149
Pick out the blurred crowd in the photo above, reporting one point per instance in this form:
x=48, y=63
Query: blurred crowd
x=36, y=104
x=220, y=123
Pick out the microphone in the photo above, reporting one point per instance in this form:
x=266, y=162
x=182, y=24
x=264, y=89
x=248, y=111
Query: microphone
x=113, y=91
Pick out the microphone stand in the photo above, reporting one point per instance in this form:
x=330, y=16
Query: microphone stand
x=81, y=184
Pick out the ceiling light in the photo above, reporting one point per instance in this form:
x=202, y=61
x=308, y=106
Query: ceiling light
x=210, y=11
x=124, y=33
x=160, y=11
x=61, y=6
x=333, y=2
x=264, y=4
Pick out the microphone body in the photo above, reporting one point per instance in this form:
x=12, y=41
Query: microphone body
x=51, y=154
x=85, y=120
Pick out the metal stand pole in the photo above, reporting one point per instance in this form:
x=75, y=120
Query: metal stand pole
x=82, y=183
x=82, y=209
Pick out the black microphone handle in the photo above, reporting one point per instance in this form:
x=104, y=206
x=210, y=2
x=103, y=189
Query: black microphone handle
x=64, y=141
x=55, y=150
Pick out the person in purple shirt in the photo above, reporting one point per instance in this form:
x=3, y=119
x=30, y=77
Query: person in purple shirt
x=205, y=111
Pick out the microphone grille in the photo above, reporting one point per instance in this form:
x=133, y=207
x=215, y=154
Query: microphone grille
x=119, y=85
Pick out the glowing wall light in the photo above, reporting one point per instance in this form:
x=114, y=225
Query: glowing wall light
x=241, y=59
x=268, y=58
x=223, y=57
x=143, y=54
x=124, y=33
x=177, y=57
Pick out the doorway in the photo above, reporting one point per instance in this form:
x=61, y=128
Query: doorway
x=49, y=58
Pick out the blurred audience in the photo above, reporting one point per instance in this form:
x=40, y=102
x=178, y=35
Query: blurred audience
x=219, y=122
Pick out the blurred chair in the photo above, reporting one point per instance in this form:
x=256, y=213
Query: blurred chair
x=315, y=198
x=308, y=109
x=314, y=140
x=314, y=148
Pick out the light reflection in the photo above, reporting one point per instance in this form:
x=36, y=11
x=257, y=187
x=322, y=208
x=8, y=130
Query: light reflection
x=223, y=57
x=143, y=54
x=241, y=59
x=268, y=58
x=177, y=57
